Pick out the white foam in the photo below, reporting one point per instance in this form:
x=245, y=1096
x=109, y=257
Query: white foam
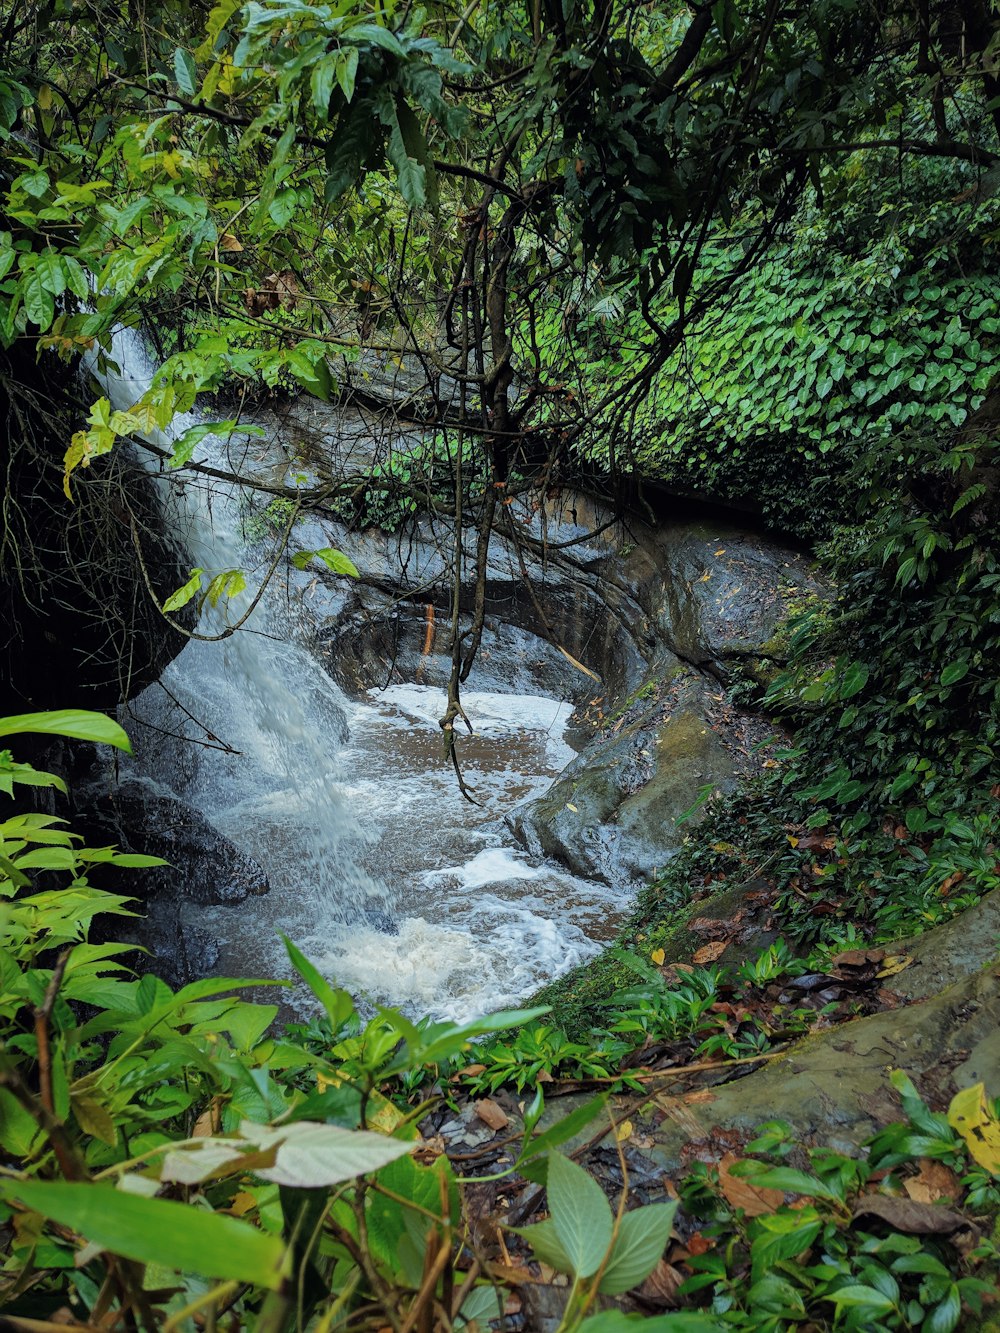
x=493, y=865
x=490, y=714
x=451, y=972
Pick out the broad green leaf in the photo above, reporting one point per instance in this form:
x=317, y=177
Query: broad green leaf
x=347, y=70
x=78, y=724
x=213, y=1159
x=230, y=583
x=38, y=300
x=854, y=679
x=334, y=560
x=639, y=1245
x=47, y=858
x=482, y=1305
x=186, y=72
x=18, y=1130
x=565, y=1128
x=51, y=271
x=338, y=1004
x=581, y=1215
x=856, y=1295
x=156, y=1231
x=545, y=1242
x=311, y=1155
x=946, y=1314
x=954, y=672
x=321, y=83
x=371, y=32
x=785, y=1178
x=185, y=445
x=184, y=594
x=441, y=1041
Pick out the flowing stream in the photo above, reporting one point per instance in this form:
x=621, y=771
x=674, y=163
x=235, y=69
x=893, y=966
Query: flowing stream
x=394, y=885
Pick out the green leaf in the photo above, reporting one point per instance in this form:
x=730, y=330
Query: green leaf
x=347, y=70
x=858, y=1295
x=954, y=672
x=156, y=1231
x=854, y=679
x=321, y=83
x=77, y=723
x=311, y=1155
x=581, y=1215
x=38, y=300
x=482, y=1305
x=786, y=1178
x=945, y=1315
x=564, y=1129
x=338, y=1004
x=371, y=32
x=547, y=1246
x=18, y=1130
x=184, y=594
x=334, y=560
x=639, y=1245
x=230, y=583
x=185, y=72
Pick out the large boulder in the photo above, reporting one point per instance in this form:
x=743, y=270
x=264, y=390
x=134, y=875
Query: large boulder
x=204, y=867
x=614, y=812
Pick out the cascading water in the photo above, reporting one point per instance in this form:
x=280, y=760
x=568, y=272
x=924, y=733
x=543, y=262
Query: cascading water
x=394, y=885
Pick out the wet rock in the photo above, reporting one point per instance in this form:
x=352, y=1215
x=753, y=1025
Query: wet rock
x=79, y=629
x=204, y=865
x=613, y=812
x=589, y=605
x=834, y=1087
x=947, y=952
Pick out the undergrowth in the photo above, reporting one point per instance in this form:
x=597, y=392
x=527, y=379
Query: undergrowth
x=172, y=1161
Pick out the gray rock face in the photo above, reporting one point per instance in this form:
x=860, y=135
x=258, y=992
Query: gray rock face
x=613, y=812
x=204, y=867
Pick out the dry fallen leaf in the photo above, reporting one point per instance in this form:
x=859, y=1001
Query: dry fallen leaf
x=911, y=1217
x=491, y=1114
x=660, y=1288
x=209, y=1122
x=895, y=963
x=470, y=1071
x=708, y=953
x=932, y=1182
x=753, y=1199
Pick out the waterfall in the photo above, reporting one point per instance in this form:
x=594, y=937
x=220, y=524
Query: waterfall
x=379, y=871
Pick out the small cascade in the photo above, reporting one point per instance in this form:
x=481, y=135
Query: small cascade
x=394, y=885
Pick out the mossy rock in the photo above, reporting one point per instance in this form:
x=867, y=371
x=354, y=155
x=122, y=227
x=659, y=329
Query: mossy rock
x=615, y=813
